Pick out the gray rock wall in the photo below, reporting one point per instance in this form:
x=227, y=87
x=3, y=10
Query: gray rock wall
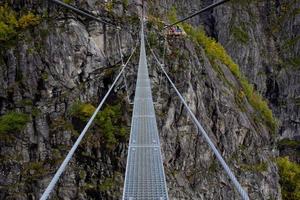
x=69, y=58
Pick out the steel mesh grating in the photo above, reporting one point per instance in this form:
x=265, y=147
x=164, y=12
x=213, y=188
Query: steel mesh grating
x=144, y=178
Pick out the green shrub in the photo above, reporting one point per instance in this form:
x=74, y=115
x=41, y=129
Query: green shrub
x=109, y=120
x=289, y=178
x=109, y=6
x=10, y=24
x=83, y=111
x=6, y=32
x=28, y=20
x=13, y=122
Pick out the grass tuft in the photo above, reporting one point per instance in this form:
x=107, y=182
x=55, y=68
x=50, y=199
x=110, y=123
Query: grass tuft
x=289, y=178
x=109, y=121
x=13, y=122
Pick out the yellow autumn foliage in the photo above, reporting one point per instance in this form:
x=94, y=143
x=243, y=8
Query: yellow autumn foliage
x=28, y=20
x=10, y=23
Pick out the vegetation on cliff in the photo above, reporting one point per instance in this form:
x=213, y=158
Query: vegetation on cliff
x=216, y=52
x=12, y=122
x=109, y=120
x=12, y=22
x=289, y=178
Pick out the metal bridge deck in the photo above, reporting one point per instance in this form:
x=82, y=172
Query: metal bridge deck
x=144, y=178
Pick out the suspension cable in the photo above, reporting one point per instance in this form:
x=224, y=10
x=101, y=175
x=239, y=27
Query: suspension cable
x=237, y=185
x=81, y=12
x=197, y=13
x=62, y=167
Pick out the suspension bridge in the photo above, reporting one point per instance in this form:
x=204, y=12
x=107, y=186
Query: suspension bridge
x=144, y=176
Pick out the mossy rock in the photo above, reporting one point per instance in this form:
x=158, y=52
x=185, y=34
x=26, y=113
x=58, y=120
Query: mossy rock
x=289, y=178
x=108, y=121
x=12, y=122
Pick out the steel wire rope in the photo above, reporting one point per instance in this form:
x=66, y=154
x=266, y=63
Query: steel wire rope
x=62, y=167
x=237, y=185
x=73, y=8
x=197, y=13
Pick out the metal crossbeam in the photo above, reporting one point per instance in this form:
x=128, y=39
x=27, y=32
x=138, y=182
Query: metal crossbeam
x=144, y=178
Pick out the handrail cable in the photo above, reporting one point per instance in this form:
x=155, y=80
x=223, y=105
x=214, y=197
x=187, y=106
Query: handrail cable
x=73, y=149
x=197, y=13
x=81, y=12
x=237, y=185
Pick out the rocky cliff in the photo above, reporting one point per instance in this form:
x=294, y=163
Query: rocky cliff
x=56, y=66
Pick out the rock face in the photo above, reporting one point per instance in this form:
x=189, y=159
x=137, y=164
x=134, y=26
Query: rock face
x=190, y=164
x=53, y=65
x=269, y=55
x=263, y=38
x=68, y=58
